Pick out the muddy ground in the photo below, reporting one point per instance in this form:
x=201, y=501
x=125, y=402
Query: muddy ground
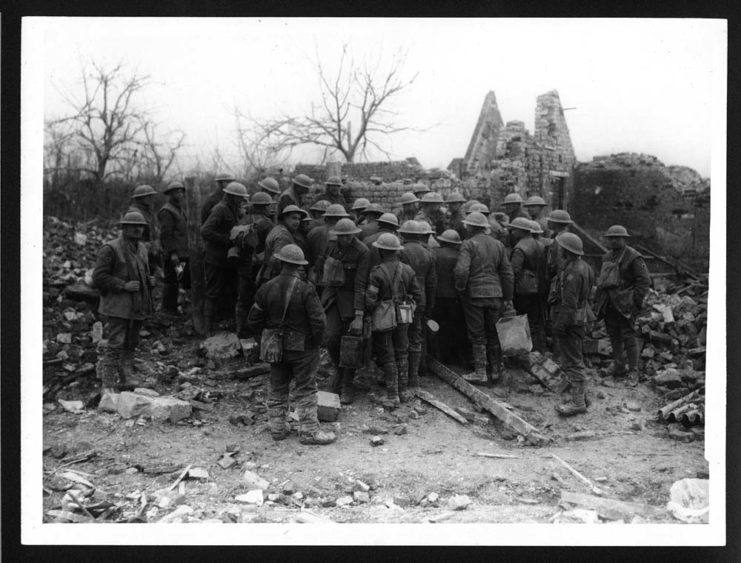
x=426, y=454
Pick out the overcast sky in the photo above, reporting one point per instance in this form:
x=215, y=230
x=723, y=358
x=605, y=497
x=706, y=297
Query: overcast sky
x=637, y=85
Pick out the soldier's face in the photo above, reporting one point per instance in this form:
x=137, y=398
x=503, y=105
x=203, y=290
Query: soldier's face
x=454, y=207
x=534, y=210
x=615, y=243
x=133, y=232
x=343, y=241
x=511, y=207
x=177, y=196
x=292, y=221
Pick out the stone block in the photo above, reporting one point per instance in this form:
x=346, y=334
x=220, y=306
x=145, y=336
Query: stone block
x=253, y=480
x=169, y=408
x=328, y=406
x=221, y=346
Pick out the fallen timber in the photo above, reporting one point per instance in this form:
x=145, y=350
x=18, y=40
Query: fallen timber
x=482, y=400
x=430, y=398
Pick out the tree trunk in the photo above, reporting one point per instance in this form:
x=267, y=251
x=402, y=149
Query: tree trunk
x=197, y=271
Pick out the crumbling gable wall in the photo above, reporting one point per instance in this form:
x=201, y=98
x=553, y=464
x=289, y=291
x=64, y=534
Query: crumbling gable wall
x=483, y=145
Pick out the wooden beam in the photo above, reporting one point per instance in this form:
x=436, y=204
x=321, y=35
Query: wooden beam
x=485, y=402
x=195, y=242
x=430, y=398
x=585, y=235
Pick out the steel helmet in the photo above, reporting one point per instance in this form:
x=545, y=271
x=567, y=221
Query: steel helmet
x=455, y=197
x=375, y=208
x=360, y=203
x=560, y=216
x=345, y=227
x=261, y=198
x=290, y=209
x=522, y=224
x=387, y=241
x=476, y=219
x=480, y=207
x=320, y=205
x=333, y=181
x=513, y=197
x=270, y=184
x=616, y=231
x=225, y=178
x=537, y=229
x=450, y=236
x=420, y=188
x=534, y=200
x=133, y=218
x=335, y=210
x=408, y=197
x=570, y=242
x=143, y=191
x=302, y=180
x=432, y=197
x=375, y=179
x=292, y=254
x=412, y=227
x=174, y=186
x=389, y=219
x=235, y=188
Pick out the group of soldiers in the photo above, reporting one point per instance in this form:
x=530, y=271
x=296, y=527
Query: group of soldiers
x=300, y=276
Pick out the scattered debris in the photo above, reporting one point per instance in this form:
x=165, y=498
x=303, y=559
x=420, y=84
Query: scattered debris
x=576, y=516
x=254, y=480
x=689, y=501
x=609, y=509
x=689, y=409
x=459, y=502
x=221, y=346
x=254, y=496
x=328, y=406
x=438, y=404
x=377, y=441
x=596, y=490
x=198, y=473
x=129, y=405
x=75, y=407
x=497, y=456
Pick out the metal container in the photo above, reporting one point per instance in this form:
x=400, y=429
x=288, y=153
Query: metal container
x=351, y=351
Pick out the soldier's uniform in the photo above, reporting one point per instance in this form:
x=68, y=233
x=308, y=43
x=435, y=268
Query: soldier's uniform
x=173, y=241
x=455, y=221
x=483, y=277
x=568, y=298
x=288, y=197
x=278, y=237
x=448, y=311
x=221, y=274
x=342, y=301
x=369, y=229
x=392, y=280
x=618, y=298
x=375, y=256
x=210, y=203
x=118, y=262
x=406, y=214
x=525, y=260
x=151, y=236
x=303, y=329
x=435, y=222
x=420, y=258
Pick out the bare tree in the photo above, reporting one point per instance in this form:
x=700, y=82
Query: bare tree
x=260, y=145
x=158, y=152
x=360, y=93
x=105, y=121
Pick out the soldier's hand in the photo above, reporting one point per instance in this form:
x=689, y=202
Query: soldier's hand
x=132, y=286
x=509, y=309
x=152, y=280
x=356, y=326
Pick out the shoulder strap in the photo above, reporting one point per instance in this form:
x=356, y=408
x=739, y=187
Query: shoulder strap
x=288, y=299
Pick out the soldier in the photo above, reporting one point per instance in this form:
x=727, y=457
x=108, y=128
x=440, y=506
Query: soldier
x=419, y=257
x=496, y=230
x=372, y=213
x=419, y=190
x=174, y=244
x=483, y=278
x=332, y=191
x=316, y=216
x=569, y=300
x=122, y=275
x=430, y=212
x=558, y=222
x=221, y=273
x=534, y=206
x=142, y=201
x=222, y=181
x=387, y=223
x=621, y=289
x=448, y=311
x=290, y=305
x=270, y=187
x=282, y=234
x=251, y=245
x=391, y=284
x=344, y=269
x=409, y=208
x=318, y=238
x=294, y=195
x=454, y=215
x=358, y=210
x=513, y=206
x=526, y=258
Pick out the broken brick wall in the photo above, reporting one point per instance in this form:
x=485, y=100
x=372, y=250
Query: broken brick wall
x=388, y=171
x=666, y=210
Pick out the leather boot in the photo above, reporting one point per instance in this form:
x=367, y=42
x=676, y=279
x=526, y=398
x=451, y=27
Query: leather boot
x=108, y=374
x=495, y=362
x=618, y=367
x=347, y=390
x=402, y=369
x=631, y=351
x=479, y=362
x=126, y=379
x=576, y=404
x=316, y=438
x=414, y=359
x=391, y=399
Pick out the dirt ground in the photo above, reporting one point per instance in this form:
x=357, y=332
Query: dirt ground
x=626, y=453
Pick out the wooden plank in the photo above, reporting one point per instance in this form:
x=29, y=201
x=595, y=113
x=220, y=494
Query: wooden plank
x=429, y=398
x=497, y=456
x=679, y=266
x=576, y=229
x=594, y=488
x=611, y=509
x=195, y=242
x=484, y=401
x=253, y=371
